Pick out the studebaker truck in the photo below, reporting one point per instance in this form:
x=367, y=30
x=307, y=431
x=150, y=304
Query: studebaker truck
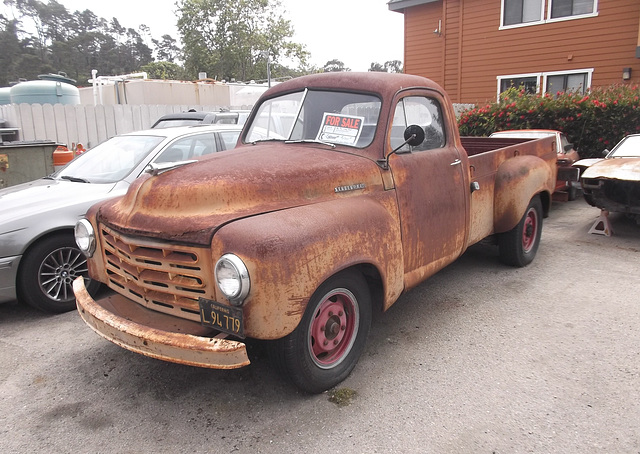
x=345, y=191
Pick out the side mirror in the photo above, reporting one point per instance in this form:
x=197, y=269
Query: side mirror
x=605, y=152
x=568, y=147
x=413, y=135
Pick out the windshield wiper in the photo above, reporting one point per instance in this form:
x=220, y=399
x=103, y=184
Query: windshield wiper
x=74, y=179
x=332, y=145
x=270, y=139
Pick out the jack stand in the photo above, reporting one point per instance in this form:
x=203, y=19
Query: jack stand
x=602, y=226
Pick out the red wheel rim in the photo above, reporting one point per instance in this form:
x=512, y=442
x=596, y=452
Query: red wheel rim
x=333, y=329
x=530, y=230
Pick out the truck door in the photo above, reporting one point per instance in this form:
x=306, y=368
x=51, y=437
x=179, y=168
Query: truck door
x=430, y=187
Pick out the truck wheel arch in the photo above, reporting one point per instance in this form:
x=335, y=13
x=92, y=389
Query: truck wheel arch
x=518, y=180
x=318, y=243
x=325, y=347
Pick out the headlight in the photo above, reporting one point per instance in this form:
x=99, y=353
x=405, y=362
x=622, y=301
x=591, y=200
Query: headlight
x=232, y=278
x=85, y=237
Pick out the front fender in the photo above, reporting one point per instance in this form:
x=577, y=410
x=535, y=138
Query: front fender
x=518, y=180
x=289, y=253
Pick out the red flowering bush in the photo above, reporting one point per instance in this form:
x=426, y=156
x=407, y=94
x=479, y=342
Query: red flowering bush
x=592, y=122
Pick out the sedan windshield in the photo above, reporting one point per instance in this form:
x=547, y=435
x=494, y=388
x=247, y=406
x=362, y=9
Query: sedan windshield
x=340, y=118
x=629, y=147
x=110, y=161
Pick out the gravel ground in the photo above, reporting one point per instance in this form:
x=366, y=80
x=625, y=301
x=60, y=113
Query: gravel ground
x=481, y=358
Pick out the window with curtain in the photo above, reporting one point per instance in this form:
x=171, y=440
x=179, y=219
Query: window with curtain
x=521, y=11
x=567, y=83
x=566, y=8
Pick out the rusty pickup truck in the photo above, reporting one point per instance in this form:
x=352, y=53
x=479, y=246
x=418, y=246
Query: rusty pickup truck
x=345, y=191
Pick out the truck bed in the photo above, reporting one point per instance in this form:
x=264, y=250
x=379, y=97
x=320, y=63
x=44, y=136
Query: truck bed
x=477, y=145
x=486, y=156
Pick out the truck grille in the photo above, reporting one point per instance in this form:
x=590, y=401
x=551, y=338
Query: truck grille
x=161, y=276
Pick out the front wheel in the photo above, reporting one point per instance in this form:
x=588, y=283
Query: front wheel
x=519, y=245
x=325, y=347
x=47, y=272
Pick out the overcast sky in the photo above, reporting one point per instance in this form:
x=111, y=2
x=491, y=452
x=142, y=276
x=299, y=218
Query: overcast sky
x=357, y=32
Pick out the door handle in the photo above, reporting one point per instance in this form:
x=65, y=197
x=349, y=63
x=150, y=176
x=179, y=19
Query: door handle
x=456, y=162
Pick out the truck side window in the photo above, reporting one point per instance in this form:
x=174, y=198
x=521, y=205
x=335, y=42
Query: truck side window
x=422, y=111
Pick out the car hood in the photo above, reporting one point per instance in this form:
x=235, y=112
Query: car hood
x=615, y=168
x=189, y=203
x=44, y=199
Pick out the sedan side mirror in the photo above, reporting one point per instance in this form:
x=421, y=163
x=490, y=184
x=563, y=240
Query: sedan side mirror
x=605, y=152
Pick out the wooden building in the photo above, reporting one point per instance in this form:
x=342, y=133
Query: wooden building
x=477, y=48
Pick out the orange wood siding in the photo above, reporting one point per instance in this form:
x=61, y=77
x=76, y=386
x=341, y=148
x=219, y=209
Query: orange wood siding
x=452, y=54
x=467, y=60
x=423, y=49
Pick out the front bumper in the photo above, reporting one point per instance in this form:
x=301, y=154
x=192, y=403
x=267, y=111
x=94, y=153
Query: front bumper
x=155, y=334
x=8, y=278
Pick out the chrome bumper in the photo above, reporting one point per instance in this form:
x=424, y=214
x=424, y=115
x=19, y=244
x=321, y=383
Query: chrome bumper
x=157, y=335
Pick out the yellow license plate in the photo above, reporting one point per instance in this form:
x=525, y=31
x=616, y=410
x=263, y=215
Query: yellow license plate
x=227, y=319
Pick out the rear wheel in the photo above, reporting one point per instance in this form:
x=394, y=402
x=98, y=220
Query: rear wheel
x=325, y=347
x=47, y=272
x=519, y=245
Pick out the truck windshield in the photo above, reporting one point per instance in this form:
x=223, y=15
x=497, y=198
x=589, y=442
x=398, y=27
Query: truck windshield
x=340, y=118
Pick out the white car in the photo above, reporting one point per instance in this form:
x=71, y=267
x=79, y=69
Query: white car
x=39, y=258
x=612, y=183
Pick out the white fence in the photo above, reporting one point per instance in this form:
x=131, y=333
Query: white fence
x=85, y=124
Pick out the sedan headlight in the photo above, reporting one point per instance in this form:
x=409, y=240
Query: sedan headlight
x=85, y=237
x=232, y=278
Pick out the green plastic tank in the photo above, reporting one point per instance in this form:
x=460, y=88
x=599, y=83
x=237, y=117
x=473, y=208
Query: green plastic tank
x=5, y=97
x=50, y=89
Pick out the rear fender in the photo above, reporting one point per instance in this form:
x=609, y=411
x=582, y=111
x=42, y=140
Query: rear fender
x=289, y=253
x=518, y=180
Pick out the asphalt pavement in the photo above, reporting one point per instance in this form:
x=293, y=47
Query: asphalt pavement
x=481, y=358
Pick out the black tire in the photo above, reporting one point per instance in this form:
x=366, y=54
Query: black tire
x=304, y=358
x=47, y=271
x=519, y=245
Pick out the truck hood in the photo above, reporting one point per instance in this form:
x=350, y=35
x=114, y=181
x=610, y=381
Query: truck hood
x=190, y=203
x=615, y=168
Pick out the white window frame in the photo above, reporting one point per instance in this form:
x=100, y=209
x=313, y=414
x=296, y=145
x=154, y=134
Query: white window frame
x=545, y=17
x=578, y=16
x=541, y=83
x=588, y=71
x=518, y=76
x=524, y=24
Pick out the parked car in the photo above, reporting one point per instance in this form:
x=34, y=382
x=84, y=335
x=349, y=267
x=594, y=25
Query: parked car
x=192, y=117
x=38, y=255
x=612, y=183
x=567, y=181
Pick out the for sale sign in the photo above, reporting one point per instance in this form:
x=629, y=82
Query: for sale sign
x=340, y=129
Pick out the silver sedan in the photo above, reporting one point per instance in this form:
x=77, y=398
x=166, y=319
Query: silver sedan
x=38, y=256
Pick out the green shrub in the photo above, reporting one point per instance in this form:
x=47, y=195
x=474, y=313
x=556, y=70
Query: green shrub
x=592, y=122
